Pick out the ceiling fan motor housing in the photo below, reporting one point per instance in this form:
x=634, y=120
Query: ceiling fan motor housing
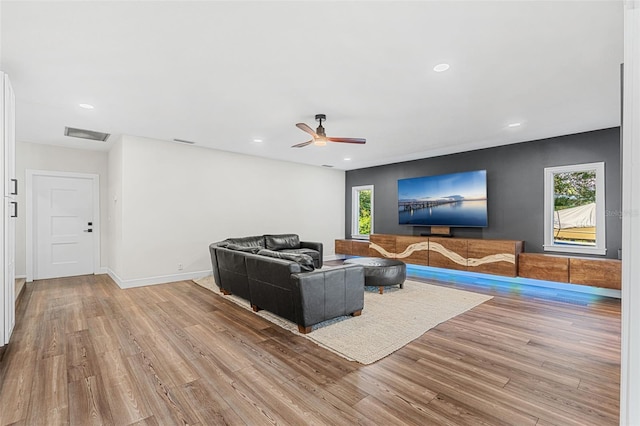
x=320, y=129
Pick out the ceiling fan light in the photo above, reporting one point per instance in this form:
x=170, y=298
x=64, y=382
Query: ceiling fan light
x=321, y=141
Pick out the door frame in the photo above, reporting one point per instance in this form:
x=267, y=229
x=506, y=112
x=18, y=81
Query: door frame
x=30, y=174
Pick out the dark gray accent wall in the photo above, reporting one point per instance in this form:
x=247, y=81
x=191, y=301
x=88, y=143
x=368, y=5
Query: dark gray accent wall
x=515, y=186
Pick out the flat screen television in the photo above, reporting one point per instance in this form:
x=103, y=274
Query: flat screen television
x=456, y=199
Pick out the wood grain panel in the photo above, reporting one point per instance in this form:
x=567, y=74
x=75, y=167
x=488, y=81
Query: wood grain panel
x=450, y=253
x=493, y=257
x=440, y=230
x=387, y=242
x=88, y=403
x=343, y=247
x=49, y=398
x=605, y=273
x=418, y=257
x=533, y=356
x=17, y=388
x=488, y=256
x=361, y=248
x=544, y=267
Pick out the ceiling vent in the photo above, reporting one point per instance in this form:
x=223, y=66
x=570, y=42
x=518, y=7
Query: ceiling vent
x=327, y=165
x=86, y=134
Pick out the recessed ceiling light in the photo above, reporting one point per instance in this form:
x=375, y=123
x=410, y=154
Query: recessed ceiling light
x=347, y=159
x=514, y=124
x=86, y=106
x=257, y=140
x=441, y=67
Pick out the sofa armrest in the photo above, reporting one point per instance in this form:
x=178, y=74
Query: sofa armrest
x=323, y=295
x=214, y=260
x=314, y=246
x=230, y=271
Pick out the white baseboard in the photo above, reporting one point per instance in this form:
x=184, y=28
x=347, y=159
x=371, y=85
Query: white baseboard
x=162, y=279
x=102, y=270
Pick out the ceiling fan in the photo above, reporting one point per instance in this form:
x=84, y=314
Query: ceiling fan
x=320, y=138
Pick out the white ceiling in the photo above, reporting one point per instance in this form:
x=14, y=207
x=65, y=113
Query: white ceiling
x=225, y=73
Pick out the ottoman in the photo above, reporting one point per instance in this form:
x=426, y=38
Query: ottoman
x=381, y=272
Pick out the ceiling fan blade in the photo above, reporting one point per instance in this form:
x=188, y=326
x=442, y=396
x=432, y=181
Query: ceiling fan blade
x=307, y=129
x=300, y=145
x=348, y=140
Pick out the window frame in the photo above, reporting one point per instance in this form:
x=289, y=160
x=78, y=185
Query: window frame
x=549, y=241
x=355, y=211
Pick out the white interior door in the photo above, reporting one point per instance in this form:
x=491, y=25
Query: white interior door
x=63, y=226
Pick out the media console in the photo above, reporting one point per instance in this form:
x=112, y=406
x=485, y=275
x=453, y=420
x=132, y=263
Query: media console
x=606, y=273
x=498, y=257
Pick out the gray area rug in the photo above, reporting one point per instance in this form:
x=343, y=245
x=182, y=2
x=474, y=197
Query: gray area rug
x=388, y=322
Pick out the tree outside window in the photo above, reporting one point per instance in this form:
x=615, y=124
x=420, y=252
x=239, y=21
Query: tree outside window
x=362, y=211
x=574, y=203
x=574, y=207
x=364, y=220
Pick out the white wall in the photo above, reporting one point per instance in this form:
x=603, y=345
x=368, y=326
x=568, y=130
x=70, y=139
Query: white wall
x=177, y=199
x=114, y=212
x=55, y=158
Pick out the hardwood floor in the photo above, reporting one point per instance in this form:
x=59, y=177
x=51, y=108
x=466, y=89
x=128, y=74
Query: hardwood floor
x=85, y=352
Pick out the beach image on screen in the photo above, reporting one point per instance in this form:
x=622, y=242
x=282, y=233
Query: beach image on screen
x=457, y=199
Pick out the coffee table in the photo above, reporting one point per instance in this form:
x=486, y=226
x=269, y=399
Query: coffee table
x=381, y=273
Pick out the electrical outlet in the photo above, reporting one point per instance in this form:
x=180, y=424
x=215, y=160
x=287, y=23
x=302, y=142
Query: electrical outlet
x=180, y=267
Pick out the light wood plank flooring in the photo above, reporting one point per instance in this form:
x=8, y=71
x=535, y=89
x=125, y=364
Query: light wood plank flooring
x=85, y=352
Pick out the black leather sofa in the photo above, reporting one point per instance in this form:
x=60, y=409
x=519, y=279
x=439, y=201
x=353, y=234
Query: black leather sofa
x=272, y=274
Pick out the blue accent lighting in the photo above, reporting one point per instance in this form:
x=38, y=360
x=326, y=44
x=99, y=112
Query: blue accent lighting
x=571, y=293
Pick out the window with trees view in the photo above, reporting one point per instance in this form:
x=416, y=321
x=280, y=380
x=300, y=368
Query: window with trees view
x=362, y=211
x=574, y=209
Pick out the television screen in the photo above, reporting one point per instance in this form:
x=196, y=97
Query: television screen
x=457, y=199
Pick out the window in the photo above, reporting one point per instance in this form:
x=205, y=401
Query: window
x=362, y=211
x=574, y=209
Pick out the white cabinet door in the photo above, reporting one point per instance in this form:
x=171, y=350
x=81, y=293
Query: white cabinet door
x=8, y=209
x=9, y=267
x=5, y=307
x=10, y=182
x=4, y=337
x=5, y=132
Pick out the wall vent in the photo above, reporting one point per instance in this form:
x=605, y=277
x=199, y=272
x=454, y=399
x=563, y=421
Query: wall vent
x=86, y=134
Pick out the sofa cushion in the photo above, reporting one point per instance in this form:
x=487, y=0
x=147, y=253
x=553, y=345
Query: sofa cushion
x=305, y=261
x=257, y=241
x=282, y=241
x=306, y=251
x=246, y=249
